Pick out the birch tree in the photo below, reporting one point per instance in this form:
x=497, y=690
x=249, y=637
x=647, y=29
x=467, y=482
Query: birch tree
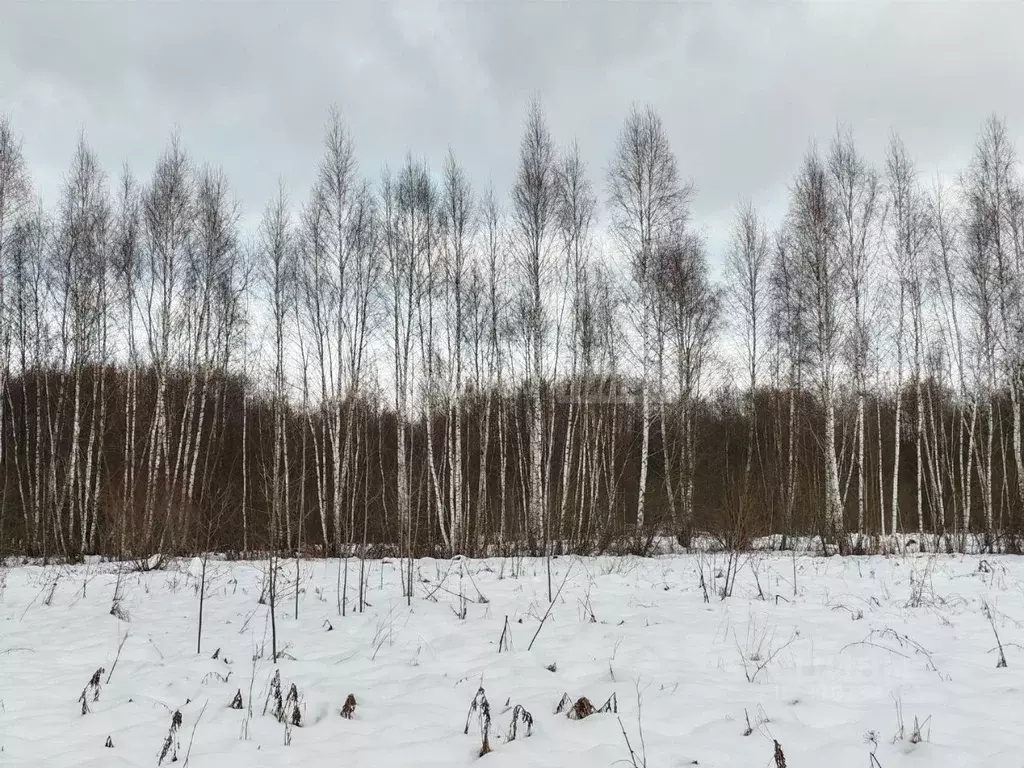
x=209, y=293
x=339, y=201
x=15, y=201
x=992, y=187
x=576, y=214
x=80, y=281
x=948, y=276
x=649, y=203
x=819, y=275
x=406, y=205
x=691, y=309
x=534, y=216
x=458, y=219
x=855, y=188
x=790, y=338
x=495, y=272
x=276, y=272
x=127, y=269
x=168, y=215
x=28, y=248
x=908, y=235
x=746, y=285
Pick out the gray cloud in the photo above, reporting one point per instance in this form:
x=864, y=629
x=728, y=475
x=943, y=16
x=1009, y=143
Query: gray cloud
x=742, y=87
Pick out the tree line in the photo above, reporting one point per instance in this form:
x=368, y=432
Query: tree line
x=408, y=364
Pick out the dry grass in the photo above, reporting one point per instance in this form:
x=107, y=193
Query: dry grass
x=349, y=710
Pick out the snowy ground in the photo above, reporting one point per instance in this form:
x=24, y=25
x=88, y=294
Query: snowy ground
x=824, y=663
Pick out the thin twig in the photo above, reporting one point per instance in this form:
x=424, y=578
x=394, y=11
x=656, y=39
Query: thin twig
x=192, y=737
x=118, y=656
x=552, y=605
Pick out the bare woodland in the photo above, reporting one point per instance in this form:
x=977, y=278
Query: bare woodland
x=401, y=362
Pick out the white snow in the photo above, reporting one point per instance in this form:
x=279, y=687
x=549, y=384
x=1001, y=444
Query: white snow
x=818, y=664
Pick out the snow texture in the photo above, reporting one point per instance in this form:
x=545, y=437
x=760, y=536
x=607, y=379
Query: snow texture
x=838, y=660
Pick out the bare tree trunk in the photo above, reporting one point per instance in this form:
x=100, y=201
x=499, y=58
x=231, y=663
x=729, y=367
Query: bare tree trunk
x=645, y=444
x=897, y=439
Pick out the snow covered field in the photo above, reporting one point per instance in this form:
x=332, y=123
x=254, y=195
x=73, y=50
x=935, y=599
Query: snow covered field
x=824, y=663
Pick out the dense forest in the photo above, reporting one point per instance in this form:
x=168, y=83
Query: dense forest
x=400, y=362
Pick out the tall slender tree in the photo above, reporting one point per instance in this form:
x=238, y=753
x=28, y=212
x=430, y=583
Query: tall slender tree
x=534, y=216
x=649, y=204
x=818, y=273
x=746, y=286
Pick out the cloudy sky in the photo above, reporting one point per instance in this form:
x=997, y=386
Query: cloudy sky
x=742, y=87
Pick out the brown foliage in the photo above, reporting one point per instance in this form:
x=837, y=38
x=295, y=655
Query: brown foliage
x=349, y=710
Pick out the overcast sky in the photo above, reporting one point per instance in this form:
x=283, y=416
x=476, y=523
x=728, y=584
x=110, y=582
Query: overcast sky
x=742, y=87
